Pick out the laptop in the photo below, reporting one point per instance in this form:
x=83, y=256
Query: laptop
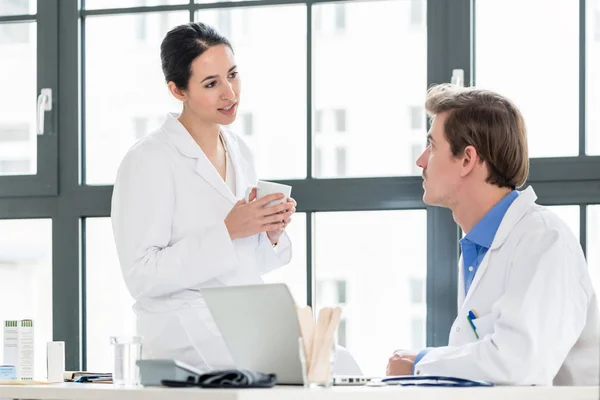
x=260, y=327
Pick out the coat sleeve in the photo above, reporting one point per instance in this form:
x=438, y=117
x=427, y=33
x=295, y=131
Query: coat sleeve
x=142, y=210
x=269, y=257
x=540, y=317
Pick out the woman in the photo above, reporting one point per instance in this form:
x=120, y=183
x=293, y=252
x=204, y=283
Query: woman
x=177, y=222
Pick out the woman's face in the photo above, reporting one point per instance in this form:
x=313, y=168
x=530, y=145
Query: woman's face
x=213, y=92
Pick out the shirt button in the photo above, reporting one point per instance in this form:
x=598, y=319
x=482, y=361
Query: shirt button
x=458, y=329
x=470, y=269
x=418, y=372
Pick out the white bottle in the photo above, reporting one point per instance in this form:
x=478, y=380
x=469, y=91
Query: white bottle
x=458, y=77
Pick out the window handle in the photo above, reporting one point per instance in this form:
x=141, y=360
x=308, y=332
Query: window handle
x=44, y=103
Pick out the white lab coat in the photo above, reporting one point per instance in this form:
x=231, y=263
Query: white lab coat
x=538, y=312
x=168, y=210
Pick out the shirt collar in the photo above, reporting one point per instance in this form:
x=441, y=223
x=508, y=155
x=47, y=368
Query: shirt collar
x=484, y=231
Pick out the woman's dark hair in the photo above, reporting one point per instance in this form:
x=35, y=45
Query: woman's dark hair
x=182, y=45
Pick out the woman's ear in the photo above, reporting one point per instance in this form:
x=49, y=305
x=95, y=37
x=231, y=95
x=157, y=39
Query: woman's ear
x=179, y=94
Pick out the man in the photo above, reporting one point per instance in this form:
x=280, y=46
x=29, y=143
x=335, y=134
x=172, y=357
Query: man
x=527, y=311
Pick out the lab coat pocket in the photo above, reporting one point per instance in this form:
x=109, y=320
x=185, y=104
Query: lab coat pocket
x=484, y=325
x=204, y=336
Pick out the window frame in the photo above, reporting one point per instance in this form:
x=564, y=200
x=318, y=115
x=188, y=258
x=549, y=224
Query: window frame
x=59, y=192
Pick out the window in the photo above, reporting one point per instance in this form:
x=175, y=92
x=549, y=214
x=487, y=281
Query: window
x=248, y=124
x=138, y=76
x=13, y=34
x=371, y=106
x=415, y=152
x=17, y=7
x=341, y=163
x=596, y=20
x=552, y=126
x=282, y=28
x=417, y=333
x=593, y=238
x=318, y=162
x=318, y=121
x=224, y=23
x=330, y=18
x=417, y=117
x=14, y=133
x=122, y=80
x=26, y=280
x=140, y=127
x=341, y=333
x=416, y=12
x=340, y=120
x=371, y=277
x=15, y=167
x=593, y=78
x=340, y=16
x=417, y=290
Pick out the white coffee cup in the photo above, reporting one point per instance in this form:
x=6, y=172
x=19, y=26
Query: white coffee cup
x=264, y=188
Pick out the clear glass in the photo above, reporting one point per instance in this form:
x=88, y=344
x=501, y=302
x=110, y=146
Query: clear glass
x=18, y=7
x=106, y=315
x=18, y=80
x=26, y=281
x=535, y=63
x=570, y=215
x=324, y=377
x=126, y=95
x=96, y=4
x=270, y=50
x=369, y=275
x=294, y=274
x=593, y=76
x=127, y=351
x=370, y=81
x=593, y=239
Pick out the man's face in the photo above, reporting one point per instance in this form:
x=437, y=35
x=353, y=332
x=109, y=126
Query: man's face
x=441, y=170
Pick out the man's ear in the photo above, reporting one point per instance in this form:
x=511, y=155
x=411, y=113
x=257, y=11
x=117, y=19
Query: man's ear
x=179, y=94
x=469, y=160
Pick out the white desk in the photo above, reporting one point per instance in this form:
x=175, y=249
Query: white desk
x=82, y=391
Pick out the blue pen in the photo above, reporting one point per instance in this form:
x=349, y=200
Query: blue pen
x=470, y=317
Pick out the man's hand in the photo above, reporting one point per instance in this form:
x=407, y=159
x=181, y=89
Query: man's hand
x=401, y=363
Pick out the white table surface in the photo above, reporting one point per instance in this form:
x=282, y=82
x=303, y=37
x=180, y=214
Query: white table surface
x=83, y=391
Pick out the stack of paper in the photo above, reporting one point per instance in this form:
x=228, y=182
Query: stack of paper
x=318, y=340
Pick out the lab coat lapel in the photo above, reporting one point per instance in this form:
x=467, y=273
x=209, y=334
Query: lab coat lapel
x=189, y=148
x=513, y=215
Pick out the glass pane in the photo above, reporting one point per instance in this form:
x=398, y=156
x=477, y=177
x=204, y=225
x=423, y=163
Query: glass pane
x=18, y=7
x=541, y=46
x=593, y=76
x=373, y=277
x=570, y=215
x=105, y=315
x=294, y=274
x=277, y=128
x=124, y=85
x=370, y=79
x=95, y=4
x=26, y=281
x=18, y=80
x=593, y=238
